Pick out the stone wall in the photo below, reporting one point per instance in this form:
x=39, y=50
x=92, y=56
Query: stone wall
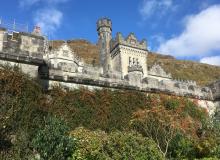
x=215, y=90
x=32, y=44
x=29, y=69
x=24, y=44
x=91, y=84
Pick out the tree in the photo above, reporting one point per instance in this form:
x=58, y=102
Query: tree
x=156, y=124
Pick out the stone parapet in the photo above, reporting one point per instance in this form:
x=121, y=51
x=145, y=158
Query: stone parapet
x=19, y=58
x=146, y=85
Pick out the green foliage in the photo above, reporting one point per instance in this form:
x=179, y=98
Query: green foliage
x=103, y=109
x=25, y=134
x=214, y=158
x=95, y=145
x=166, y=119
x=19, y=113
x=131, y=146
x=181, y=147
x=172, y=104
x=52, y=141
x=193, y=110
x=212, y=137
x=90, y=144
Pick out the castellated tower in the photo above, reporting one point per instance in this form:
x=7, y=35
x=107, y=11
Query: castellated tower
x=104, y=29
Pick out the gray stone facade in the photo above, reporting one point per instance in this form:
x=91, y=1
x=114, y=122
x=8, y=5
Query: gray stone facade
x=215, y=87
x=122, y=64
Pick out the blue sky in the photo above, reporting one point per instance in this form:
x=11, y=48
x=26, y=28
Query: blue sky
x=186, y=29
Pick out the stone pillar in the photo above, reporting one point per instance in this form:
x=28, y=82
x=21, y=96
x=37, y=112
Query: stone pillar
x=104, y=29
x=2, y=34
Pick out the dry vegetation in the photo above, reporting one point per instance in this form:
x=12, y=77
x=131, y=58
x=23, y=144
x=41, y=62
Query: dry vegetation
x=100, y=124
x=203, y=74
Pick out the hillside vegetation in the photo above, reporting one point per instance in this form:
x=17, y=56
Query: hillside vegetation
x=203, y=74
x=101, y=124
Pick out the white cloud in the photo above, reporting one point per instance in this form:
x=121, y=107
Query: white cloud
x=48, y=19
x=158, y=38
x=29, y=3
x=200, y=37
x=150, y=7
x=214, y=60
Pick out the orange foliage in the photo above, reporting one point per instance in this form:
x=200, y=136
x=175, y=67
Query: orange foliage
x=176, y=118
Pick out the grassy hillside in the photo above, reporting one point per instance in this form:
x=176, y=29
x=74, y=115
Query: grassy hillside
x=203, y=74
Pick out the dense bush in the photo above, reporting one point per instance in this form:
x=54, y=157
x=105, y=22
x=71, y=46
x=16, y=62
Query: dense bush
x=19, y=113
x=52, y=140
x=178, y=127
x=100, y=109
x=181, y=147
x=98, y=145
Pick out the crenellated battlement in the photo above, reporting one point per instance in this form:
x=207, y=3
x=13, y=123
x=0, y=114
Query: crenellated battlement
x=104, y=22
x=130, y=41
x=22, y=43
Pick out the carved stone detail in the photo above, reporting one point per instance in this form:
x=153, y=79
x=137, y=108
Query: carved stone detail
x=157, y=70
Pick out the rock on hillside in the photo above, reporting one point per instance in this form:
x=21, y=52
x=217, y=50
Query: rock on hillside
x=203, y=74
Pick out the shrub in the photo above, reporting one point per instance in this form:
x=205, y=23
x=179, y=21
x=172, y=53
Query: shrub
x=19, y=113
x=95, y=145
x=90, y=144
x=101, y=109
x=52, y=140
x=181, y=147
x=123, y=145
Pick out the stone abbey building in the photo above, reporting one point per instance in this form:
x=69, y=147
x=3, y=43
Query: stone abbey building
x=122, y=65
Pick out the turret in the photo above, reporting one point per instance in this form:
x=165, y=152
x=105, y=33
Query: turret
x=104, y=29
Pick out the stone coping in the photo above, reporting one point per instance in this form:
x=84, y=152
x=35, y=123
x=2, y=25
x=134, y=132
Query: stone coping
x=19, y=58
x=119, y=85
